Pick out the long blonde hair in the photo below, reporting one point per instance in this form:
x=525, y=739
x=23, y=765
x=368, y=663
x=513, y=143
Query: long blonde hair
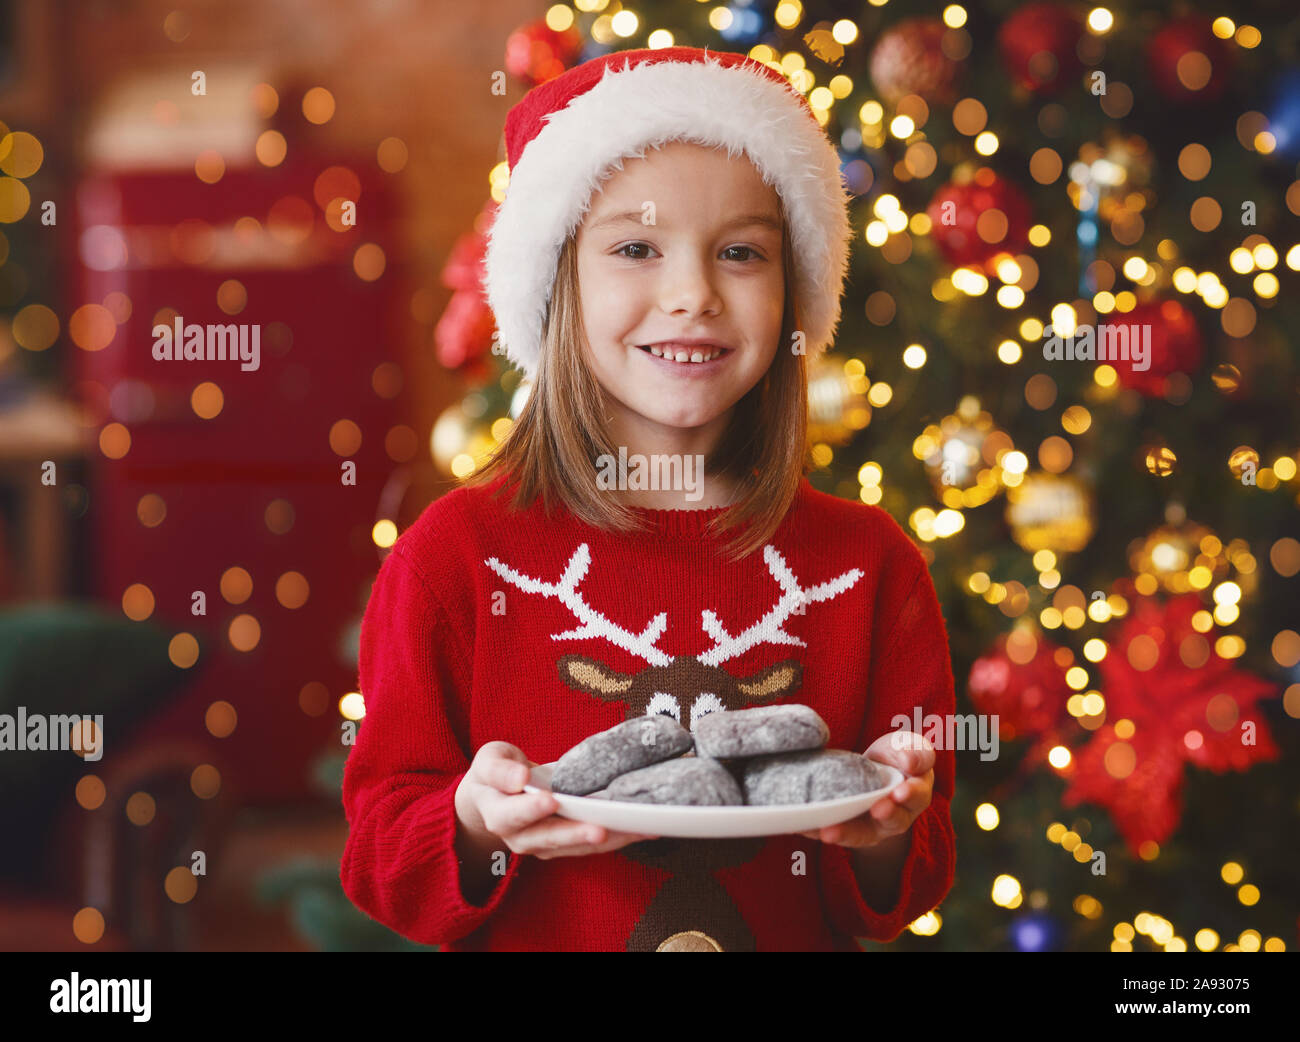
x=551, y=449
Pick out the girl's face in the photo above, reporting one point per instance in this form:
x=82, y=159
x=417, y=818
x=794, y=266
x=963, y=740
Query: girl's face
x=682, y=245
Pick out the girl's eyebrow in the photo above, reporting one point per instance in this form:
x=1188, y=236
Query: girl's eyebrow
x=742, y=221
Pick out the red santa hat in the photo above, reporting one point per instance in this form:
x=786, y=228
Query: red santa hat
x=565, y=134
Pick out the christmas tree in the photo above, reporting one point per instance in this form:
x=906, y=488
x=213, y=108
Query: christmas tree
x=1066, y=366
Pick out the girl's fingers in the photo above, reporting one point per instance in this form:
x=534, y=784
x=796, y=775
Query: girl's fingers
x=908, y=751
x=892, y=822
x=919, y=791
x=504, y=815
x=502, y=773
x=559, y=836
x=859, y=832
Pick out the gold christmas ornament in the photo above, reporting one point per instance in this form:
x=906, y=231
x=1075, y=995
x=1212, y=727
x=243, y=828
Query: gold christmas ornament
x=1107, y=173
x=462, y=436
x=963, y=455
x=1180, y=558
x=837, y=399
x=1050, y=512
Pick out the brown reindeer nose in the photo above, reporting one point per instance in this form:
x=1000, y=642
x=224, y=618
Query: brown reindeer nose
x=685, y=689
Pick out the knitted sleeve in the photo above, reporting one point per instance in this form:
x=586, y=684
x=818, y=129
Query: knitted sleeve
x=399, y=864
x=913, y=669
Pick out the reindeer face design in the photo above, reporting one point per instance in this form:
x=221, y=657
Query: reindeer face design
x=686, y=688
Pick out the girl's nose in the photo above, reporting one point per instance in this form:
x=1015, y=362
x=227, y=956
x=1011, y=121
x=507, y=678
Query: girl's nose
x=687, y=286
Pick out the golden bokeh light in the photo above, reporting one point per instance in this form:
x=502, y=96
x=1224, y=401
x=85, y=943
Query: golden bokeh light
x=292, y=590
x=205, y=781
x=232, y=297
x=318, y=105
x=207, y=400
x=391, y=155
x=265, y=100
x=114, y=441
x=271, y=148
x=88, y=925
x=15, y=200
x=181, y=885
x=140, y=809
x=151, y=510
x=35, y=327
x=183, y=650
x=369, y=261
x=210, y=166
x=91, y=792
x=244, y=632
x=21, y=154
x=137, y=602
x=236, y=585
x=345, y=438
x=220, y=719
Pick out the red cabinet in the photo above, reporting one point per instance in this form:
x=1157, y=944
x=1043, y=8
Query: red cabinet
x=258, y=484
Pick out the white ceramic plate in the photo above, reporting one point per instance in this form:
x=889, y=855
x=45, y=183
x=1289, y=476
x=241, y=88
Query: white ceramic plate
x=655, y=819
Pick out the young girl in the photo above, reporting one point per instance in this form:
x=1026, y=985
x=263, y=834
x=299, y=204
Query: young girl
x=672, y=243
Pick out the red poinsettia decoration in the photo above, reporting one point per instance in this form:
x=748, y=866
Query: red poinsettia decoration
x=1186, y=705
x=1138, y=779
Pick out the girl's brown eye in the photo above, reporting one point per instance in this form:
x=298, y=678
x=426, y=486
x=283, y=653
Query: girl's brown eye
x=746, y=249
x=632, y=246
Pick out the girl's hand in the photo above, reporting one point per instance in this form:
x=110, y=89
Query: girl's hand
x=893, y=813
x=495, y=811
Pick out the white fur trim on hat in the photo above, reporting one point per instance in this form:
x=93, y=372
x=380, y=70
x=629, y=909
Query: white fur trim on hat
x=634, y=108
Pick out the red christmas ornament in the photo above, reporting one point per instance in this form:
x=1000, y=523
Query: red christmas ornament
x=536, y=53
x=1039, y=46
x=1171, y=341
x=972, y=223
x=1187, y=62
x=464, y=332
x=908, y=59
x=1024, y=686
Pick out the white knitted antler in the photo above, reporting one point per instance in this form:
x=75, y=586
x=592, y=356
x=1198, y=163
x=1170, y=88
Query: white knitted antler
x=594, y=624
x=769, y=629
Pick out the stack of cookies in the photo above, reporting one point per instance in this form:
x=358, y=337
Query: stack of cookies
x=759, y=757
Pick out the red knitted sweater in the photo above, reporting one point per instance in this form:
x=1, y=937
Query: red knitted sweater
x=458, y=649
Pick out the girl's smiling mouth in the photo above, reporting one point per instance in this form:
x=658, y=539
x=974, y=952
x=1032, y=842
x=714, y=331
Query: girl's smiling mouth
x=686, y=354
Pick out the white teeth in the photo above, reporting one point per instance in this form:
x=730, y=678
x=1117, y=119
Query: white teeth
x=683, y=355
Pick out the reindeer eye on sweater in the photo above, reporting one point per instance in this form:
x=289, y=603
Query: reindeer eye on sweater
x=664, y=704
